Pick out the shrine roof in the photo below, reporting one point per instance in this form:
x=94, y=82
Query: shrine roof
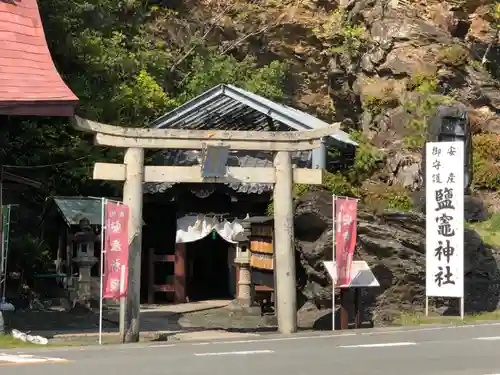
x=225, y=107
x=74, y=209
x=29, y=81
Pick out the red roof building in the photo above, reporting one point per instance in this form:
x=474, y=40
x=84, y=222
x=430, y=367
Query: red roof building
x=29, y=82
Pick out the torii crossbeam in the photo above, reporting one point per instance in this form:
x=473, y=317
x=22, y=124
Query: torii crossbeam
x=283, y=175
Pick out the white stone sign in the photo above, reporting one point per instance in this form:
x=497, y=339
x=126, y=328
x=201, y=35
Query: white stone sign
x=444, y=219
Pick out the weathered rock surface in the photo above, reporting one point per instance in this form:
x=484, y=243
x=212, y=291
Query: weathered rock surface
x=474, y=208
x=369, y=82
x=393, y=244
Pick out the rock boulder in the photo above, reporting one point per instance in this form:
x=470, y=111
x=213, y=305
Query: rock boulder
x=393, y=244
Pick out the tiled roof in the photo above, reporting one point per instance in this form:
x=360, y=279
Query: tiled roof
x=29, y=81
x=226, y=107
x=229, y=106
x=74, y=209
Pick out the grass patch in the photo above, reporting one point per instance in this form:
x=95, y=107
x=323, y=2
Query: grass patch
x=7, y=341
x=489, y=230
x=417, y=319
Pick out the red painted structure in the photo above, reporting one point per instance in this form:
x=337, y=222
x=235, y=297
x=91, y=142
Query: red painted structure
x=177, y=284
x=29, y=82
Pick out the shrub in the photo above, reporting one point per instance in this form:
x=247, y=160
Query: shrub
x=380, y=196
x=422, y=108
x=368, y=159
x=335, y=183
x=454, y=55
x=376, y=104
x=423, y=83
x=486, y=161
x=342, y=36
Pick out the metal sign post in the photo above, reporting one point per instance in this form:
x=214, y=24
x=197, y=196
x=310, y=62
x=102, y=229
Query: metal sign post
x=5, y=217
x=103, y=228
x=334, y=276
x=5, y=248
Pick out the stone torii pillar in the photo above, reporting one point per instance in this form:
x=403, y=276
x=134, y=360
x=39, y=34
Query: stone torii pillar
x=283, y=175
x=133, y=198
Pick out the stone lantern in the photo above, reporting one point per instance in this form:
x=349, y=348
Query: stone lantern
x=245, y=293
x=84, y=240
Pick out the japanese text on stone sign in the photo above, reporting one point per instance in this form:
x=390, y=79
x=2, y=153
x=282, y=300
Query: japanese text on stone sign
x=444, y=219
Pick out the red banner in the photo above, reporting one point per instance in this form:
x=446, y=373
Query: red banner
x=345, y=237
x=115, y=277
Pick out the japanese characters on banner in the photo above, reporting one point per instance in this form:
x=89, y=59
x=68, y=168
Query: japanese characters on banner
x=445, y=219
x=345, y=237
x=115, y=250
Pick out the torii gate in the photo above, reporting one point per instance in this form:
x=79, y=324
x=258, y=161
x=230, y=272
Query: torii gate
x=283, y=175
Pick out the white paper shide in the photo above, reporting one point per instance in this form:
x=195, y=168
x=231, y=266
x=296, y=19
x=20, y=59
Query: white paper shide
x=445, y=219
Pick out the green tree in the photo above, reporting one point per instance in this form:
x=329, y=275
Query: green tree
x=121, y=60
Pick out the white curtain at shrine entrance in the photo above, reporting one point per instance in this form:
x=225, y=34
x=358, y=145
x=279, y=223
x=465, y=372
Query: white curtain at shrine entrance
x=194, y=228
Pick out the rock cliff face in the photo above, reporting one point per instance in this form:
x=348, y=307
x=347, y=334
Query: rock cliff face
x=416, y=55
x=393, y=244
x=377, y=68
x=387, y=44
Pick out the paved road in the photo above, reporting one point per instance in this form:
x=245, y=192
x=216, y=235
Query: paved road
x=467, y=350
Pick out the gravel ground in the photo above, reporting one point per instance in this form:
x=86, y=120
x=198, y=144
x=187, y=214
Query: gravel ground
x=52, y=322
x=81, y=326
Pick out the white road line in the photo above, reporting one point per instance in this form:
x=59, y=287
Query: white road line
x=252, y=341
x=334, y=335
x=27, y=358
x=162, y=346
x=19, y=359
x=491, y=338
x=381, y=345
x=246, y=352
x=287, y=338
x=392, y=331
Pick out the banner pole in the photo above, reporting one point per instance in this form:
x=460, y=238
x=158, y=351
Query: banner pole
x=334, y=280
x=462, y=307
x=426, y=306
x=5, y=248
x=123, y=299
x=103, y=226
